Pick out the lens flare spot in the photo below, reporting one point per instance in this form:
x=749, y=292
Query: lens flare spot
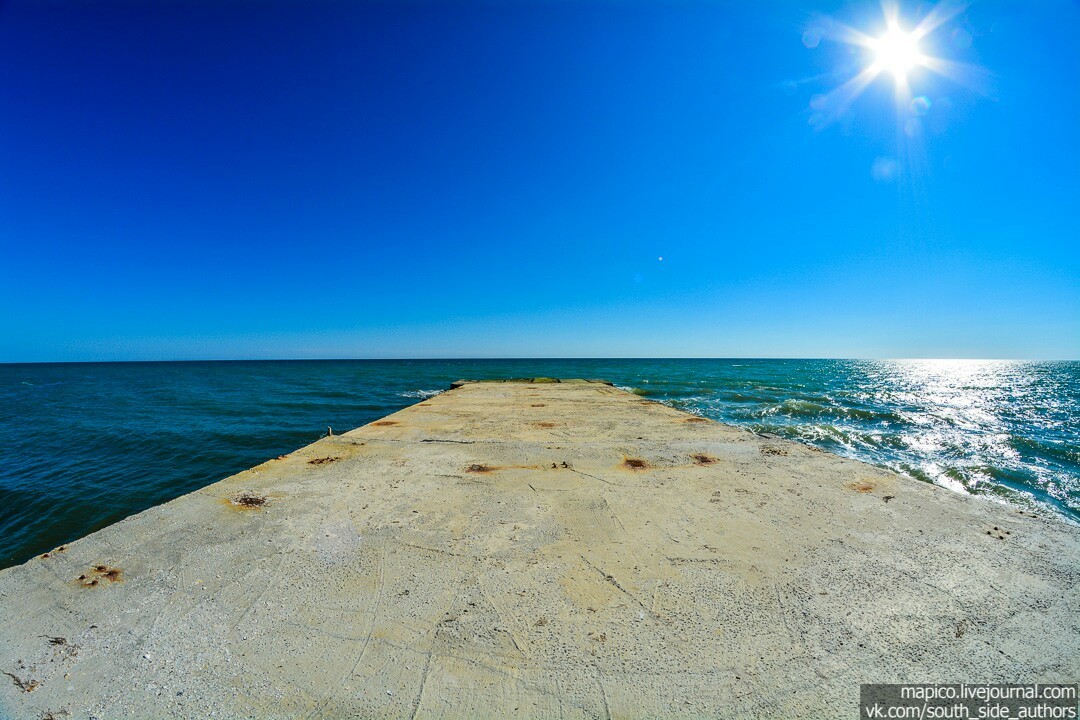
x=885, y=169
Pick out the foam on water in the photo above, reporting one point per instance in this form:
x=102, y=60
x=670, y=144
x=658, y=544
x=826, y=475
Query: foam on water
x=421, y=394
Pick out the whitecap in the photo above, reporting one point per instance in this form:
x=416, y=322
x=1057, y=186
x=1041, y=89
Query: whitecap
x=422, y=394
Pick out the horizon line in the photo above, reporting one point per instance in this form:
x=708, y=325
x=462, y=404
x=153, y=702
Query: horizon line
x=524, y=358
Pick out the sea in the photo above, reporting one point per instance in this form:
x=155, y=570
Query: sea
x=83, y=445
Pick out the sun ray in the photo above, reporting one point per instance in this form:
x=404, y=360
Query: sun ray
x=825, y=27
x=938, y=16
x=969, y=75
x=847, y=34
x=830, y=106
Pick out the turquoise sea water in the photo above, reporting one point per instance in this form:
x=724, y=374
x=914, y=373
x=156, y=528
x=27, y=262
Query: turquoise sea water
x=85, y=445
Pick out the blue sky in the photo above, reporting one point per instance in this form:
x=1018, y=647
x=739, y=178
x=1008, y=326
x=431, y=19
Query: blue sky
x=501, y=179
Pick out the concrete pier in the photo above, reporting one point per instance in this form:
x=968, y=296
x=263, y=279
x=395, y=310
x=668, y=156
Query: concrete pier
x=539, y=549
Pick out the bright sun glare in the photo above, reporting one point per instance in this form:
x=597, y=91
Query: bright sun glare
x=897, y=52
x=902, y=46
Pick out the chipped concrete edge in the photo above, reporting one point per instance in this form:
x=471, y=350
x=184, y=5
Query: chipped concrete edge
x=537, y=380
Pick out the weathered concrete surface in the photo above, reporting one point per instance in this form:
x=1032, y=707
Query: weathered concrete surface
x=494, y=552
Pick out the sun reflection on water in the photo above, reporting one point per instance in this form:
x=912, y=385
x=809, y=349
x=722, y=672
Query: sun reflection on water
x=1003, y=429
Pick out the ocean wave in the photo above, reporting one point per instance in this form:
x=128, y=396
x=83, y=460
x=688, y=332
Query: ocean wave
x=422, y=394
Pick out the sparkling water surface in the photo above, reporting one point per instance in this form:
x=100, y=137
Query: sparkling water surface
x=85, y=445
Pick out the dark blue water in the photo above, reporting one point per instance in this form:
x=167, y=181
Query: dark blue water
x=85, y=445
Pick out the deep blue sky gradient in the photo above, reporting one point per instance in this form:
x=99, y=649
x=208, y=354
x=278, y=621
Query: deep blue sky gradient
x=293, y=179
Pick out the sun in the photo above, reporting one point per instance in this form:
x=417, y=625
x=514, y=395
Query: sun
x=901, y=49
x=896, y=52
